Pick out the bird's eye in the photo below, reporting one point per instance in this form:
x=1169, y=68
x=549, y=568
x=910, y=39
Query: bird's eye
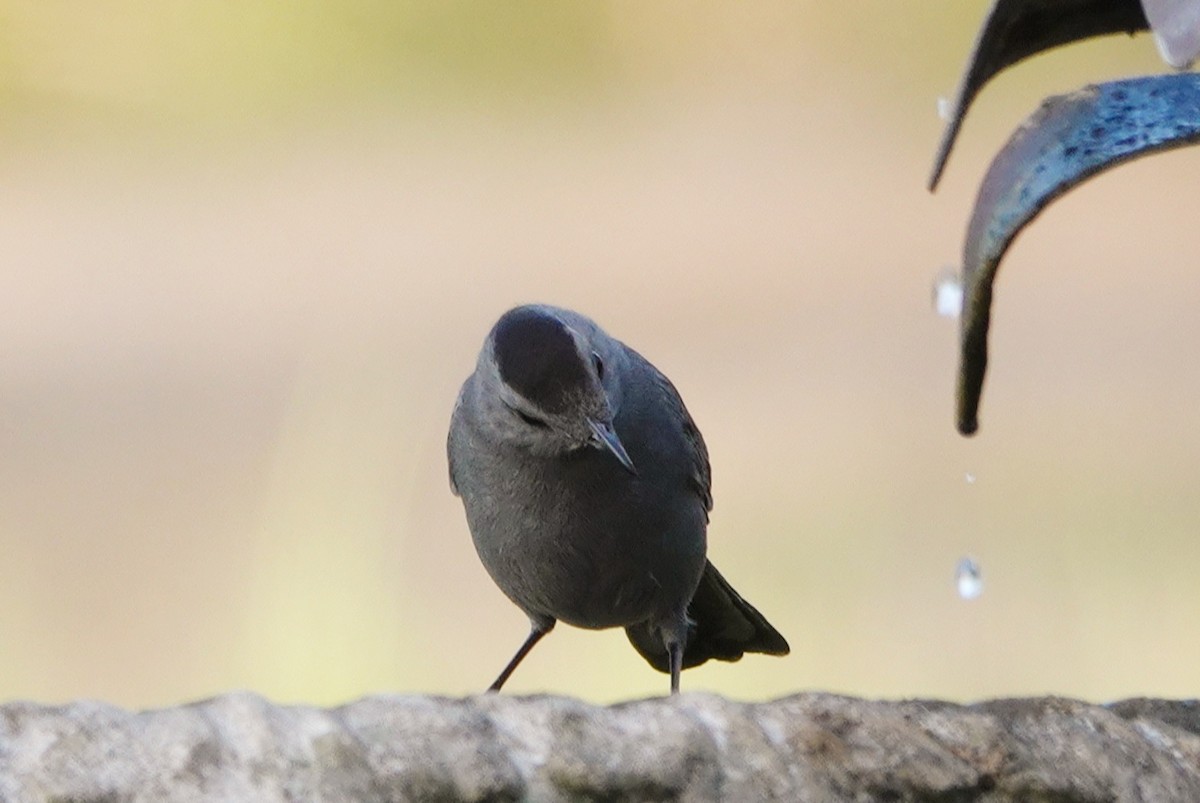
x=599, y=365
x=531, y=420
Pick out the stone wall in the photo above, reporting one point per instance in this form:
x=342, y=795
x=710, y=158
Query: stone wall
x=696, y=747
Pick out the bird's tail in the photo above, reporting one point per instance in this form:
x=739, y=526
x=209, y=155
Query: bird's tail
x=722, y=625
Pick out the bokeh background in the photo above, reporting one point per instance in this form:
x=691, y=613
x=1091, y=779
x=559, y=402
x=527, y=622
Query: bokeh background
x=250, y=251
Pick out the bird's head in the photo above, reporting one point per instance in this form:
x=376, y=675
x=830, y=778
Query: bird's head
x=555, y=385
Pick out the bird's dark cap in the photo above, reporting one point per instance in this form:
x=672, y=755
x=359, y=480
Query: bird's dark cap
x=537, y=357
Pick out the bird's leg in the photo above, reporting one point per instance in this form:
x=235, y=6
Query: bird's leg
x=538, y=630
x=674, y=635
x=675, y=657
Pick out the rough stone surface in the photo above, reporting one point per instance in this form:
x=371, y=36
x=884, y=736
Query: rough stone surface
x=809, y=747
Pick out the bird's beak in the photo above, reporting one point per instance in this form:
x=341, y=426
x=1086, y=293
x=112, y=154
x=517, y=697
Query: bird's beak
x=604, y=437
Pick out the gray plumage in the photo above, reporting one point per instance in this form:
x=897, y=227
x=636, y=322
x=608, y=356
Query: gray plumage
x=587, y=490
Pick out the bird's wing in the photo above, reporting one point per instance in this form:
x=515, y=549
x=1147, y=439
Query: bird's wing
x=701, y=471
x=450, y=460
x=449, y=448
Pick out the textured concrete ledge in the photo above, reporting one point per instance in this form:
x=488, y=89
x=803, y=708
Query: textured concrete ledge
x=810, y=747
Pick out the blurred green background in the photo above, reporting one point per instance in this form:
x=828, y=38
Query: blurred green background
x=250, y=251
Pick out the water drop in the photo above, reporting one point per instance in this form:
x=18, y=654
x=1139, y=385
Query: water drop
x=969, y=579
x=970, y=478
x=943, y=108
x=947, y=293
x=1176, y=53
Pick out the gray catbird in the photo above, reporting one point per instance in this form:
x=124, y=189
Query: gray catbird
x=586, y=487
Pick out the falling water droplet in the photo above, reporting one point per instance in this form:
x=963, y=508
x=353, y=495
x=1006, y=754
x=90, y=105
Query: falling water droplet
x=970, y=478
x=943, y=108
x=969, y=579
x=947, y=293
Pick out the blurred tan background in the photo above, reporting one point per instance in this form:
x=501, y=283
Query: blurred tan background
x=249, y=253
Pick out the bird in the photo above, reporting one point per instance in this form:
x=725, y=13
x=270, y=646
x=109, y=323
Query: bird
x=587, y=491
